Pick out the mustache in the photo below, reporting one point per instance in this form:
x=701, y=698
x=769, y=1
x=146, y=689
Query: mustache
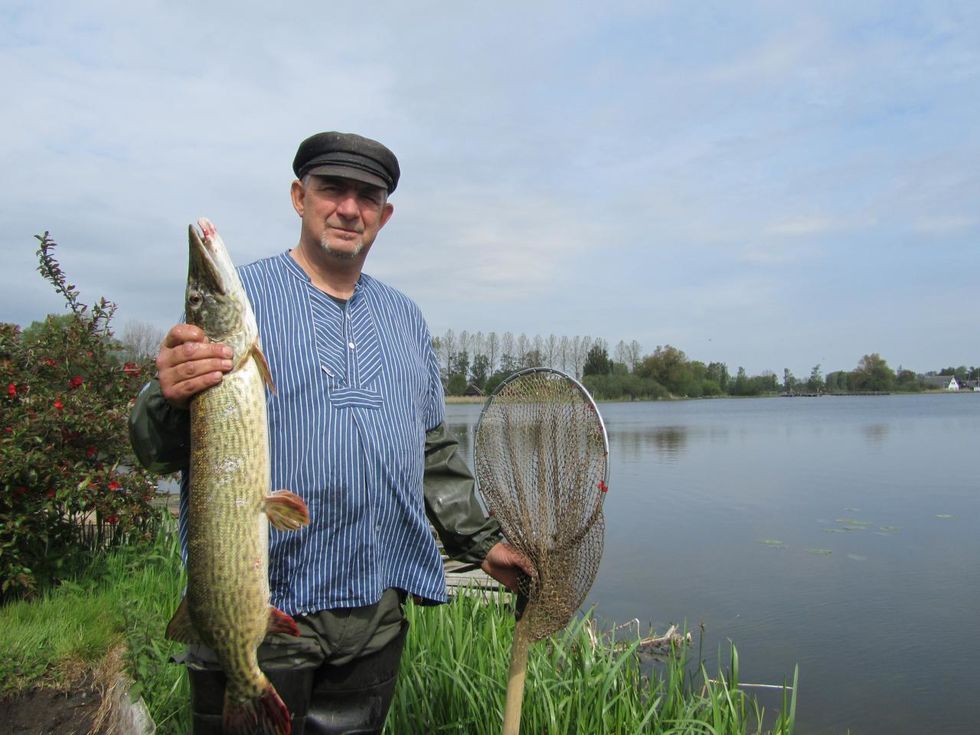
x=358, y=228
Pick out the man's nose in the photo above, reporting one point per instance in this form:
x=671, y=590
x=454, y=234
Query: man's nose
x=347, y=206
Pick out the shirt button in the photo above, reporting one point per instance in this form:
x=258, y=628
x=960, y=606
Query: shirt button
x=351, y=345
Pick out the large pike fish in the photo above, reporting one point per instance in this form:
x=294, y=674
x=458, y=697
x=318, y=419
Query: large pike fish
x=227, y=602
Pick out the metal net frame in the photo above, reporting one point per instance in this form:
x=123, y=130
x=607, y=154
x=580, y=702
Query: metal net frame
x=541, y=457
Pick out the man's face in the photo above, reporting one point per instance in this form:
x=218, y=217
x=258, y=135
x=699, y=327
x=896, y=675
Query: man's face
x=340, y=216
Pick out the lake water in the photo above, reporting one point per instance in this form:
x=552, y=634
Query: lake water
x=841, y=534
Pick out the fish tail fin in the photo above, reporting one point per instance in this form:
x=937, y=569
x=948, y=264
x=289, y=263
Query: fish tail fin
x=267, y=714
x=286, y=510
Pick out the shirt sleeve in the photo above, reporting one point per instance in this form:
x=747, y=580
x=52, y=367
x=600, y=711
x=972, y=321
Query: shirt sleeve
x=159, y=433
x=466, y=531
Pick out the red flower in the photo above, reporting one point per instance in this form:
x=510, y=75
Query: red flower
x=603, y=487
x=50, y=362
x=112, y=520
x=50, y=493
x=20, y=490
x=90, y=452
x=58, y=405
x=11, y=390
x=75, y=382
x=114, y=486
x=131, y=368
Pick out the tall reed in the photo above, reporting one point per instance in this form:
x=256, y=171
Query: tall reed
x=453, y=679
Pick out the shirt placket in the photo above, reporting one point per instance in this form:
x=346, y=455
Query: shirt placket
x=353, y=377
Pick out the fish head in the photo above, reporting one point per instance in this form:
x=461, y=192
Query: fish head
x=215, y=299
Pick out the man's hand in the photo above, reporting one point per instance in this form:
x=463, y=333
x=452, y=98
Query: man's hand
x=506, y=564
x=187, y=363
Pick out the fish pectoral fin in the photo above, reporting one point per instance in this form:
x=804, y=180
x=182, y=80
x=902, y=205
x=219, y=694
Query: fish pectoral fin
x=181, y=627
x=286, y=510
x=263, y=366
x=280, y=622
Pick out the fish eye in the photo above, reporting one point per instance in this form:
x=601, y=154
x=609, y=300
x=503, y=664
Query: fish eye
x=194, y=299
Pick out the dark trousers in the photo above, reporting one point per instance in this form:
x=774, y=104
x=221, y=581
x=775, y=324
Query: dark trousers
x=350, y=699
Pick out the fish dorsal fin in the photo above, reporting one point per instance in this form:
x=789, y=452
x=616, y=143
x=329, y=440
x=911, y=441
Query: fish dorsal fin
x=181, y=627
x=256, y=354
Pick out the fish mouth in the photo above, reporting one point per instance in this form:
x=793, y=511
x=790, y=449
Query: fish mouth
x=202, y=261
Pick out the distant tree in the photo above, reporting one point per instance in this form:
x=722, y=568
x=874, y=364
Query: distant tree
x=448, y=349
x=460, y=364
x=523, y=346
x=532, y=358
x=551, y=351
x=597, y=362
x=962, y=373
x=815, y=382
x=506, y=349
x=492, y=347
x=789, y=380
x=766, y=382
x=141, y=340
x=872, y=374
x=633, y=355
x=740, y=386
x=718, y=373
x=836, y=381
x=47, y=330
x=907, y=380
x=668, y=366
x=456, y=385
x=480, y=371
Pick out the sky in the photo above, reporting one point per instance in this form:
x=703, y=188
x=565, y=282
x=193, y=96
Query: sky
x=770, y=185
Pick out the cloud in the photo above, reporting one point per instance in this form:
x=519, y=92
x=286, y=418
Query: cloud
x=645, y=170
x=945, y=224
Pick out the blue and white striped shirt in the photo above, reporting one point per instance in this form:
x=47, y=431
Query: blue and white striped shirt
x=356, y=390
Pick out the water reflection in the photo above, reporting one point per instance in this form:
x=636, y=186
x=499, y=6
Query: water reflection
x=669, y=442
x=875, y=433
x=464, y=434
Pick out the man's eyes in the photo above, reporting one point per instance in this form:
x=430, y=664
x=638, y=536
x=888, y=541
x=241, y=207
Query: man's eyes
x=368, y=195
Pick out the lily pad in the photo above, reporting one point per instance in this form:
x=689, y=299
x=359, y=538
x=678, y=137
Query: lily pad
x=774, y=542
x=853, y=522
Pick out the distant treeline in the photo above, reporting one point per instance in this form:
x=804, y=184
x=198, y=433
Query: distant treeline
x=478, y=362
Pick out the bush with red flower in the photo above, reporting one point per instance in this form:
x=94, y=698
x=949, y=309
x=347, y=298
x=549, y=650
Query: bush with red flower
x=68, y=482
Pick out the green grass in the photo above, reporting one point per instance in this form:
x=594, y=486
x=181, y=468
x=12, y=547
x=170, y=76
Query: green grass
x=120, y=605
x=453, y=674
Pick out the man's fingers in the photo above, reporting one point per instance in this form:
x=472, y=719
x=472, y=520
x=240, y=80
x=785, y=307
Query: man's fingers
x=183, y=333
x=195, y=368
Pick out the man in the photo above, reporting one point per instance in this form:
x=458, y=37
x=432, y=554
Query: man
x=355, y=424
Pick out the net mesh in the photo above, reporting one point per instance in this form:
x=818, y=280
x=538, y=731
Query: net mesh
x=541, y=463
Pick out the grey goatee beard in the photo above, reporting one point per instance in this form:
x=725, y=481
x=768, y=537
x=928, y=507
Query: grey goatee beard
x=340, y=254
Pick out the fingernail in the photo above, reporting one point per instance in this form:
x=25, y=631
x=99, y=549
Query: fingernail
x=227, y=364
x=227, y=352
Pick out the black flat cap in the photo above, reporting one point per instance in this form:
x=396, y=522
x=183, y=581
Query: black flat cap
x=349, y=156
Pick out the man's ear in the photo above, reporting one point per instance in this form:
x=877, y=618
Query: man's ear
x=386, y=213
x=298, y=196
